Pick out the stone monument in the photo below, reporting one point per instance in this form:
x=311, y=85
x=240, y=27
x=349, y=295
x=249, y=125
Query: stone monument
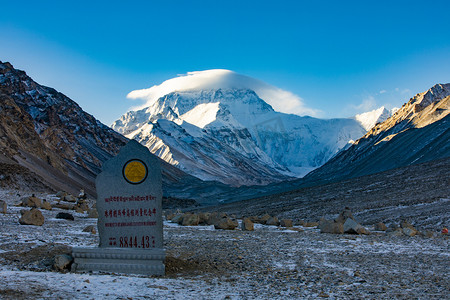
x=129, y=205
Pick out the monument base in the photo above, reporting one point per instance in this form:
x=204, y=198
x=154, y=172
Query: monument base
x=119, y=260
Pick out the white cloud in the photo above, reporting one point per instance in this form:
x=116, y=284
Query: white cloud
x=281, y=100
x=369, y=103
x=382, y=91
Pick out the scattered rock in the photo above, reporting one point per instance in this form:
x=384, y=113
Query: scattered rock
x=177, y=219
x=350, y=226
x=286, y=223
x=64, y=206
x=46, y=205
x=226, y=224
x=190, y=219
x=408, y=229
x=31, y=202
x=300, y=222
x=327, y=226
x=62, y=262
x=263, y=219
x=70, y=198
x=254, y=219
x=203, y=218
x=311, y=224
x=247, y=225
x=79, y=210
x=396, y=232
x=3, y=206
x=380, y=226
x=92, y=213
x=409, y=232
x=90, y=228
x=61, y=194
x=344, y=215
x=216, y=217
x=273, y=221
x=32, y=217
x=65, y=216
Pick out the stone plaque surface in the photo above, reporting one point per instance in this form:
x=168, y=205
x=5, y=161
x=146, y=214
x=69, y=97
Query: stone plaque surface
x=129, y=204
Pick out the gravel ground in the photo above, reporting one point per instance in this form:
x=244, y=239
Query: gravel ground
x=203, y=263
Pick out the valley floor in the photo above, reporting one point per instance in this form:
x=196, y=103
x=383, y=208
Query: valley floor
x=203, y=263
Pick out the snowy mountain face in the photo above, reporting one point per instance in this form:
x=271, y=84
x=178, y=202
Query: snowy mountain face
x=374, y=117
x=233, y=136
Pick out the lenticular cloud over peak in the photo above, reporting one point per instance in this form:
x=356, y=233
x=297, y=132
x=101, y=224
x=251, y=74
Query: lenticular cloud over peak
x=280, y=100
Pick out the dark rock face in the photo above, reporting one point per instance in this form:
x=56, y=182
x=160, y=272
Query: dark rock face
x=44, y=129
x=65, y=216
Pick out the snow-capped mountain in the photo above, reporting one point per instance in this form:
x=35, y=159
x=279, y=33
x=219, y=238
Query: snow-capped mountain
x=48, y=142
x=372, y=118
x=225, y=131
x=418, y=132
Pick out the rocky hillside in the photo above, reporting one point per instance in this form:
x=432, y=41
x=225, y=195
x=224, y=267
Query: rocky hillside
x=418, y=132
x=49, y=134
x=45, y=132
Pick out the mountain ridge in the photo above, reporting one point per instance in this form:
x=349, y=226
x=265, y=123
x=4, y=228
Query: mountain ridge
x=241, y=125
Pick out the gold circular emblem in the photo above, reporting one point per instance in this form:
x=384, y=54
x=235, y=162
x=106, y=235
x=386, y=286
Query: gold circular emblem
x=135, y=171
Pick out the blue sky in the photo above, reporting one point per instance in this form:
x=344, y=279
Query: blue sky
x=340, y=57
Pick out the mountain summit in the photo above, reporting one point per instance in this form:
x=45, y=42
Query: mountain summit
x=222, y=129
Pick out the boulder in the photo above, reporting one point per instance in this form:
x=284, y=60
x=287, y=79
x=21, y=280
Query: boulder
x=177, y=219
x=203, y=218
x=3, y=206
x=273, y=221
x=62, y=262
x=263, y=219
x=70, y=198
x=226, y=223
x=409, y=232
x=92, y=213
x=344, y=215
x=380, y=226
x=254, y=219
x=46, y=205
x=190, y=219
x=31, y=202
x=216, y=217
x=286, y=223
x=406, y=224
x=327, y=226
x=65, y=216
x=350, y=226
x=32, y=217
x=90, y=228
x=247, y=225
x=61, y=194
